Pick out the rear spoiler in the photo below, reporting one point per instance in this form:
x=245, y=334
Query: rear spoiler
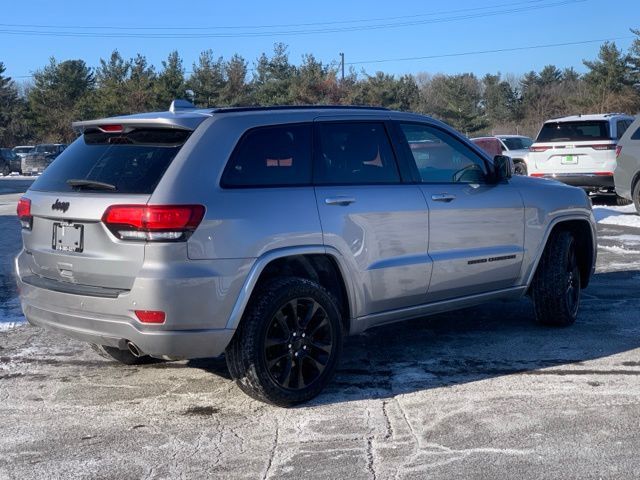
x=178, y=117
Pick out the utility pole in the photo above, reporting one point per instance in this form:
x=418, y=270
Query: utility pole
x=342, y=65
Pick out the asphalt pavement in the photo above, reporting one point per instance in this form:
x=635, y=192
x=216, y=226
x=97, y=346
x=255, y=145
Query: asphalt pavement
x=479, y=393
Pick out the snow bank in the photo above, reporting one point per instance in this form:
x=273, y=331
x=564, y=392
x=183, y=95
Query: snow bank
x=622, y=216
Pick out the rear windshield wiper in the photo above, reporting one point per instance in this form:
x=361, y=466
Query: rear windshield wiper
x=89, y=184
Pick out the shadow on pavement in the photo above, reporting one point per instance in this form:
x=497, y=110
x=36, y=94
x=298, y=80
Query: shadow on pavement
x=496, y=339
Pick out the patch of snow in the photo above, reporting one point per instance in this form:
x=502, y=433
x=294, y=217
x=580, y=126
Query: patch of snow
x=622, y=216
x=625, y=238
x=5, y=326
x=618, y=249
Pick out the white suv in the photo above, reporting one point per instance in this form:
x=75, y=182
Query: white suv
x=579, y=150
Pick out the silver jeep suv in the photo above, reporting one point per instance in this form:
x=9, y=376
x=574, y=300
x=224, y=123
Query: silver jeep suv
x=268, y=234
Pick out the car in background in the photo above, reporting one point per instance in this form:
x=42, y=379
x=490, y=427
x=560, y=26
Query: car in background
x=627, y=174
x=9, y=161
x=514, y=146
x=23, y=150
x=41, y=157
x=580, y=150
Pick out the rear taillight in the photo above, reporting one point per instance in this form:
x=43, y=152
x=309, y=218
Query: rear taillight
x=537, y=174
x=539, y=148
x=618, y=151
x=24, y=213
x=153, y=223
x=610, y=146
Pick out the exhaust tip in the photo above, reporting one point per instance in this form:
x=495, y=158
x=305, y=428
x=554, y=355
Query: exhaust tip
x=134, y=350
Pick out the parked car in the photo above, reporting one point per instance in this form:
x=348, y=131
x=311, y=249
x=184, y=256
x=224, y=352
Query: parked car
x=514, y=146
x=22, y=151
x=269, y=234
x=41, y=157
x=491, y=145
x=580, y=150
x=9, y=161
x=627, y=173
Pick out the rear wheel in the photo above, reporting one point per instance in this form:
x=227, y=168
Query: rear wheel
x=621, y=201
x=6, y=170
x=636, y=196
x=288, y=344
x=520, y=168
x=123, y=356
x=556, y=286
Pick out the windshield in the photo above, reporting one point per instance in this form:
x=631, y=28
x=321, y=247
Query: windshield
x=517, y=143
x=132, y=162
x=581, y=131
x=45, y=149
x=22, y=149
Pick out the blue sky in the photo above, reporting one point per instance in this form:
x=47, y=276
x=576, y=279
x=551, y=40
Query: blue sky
x=391, y=30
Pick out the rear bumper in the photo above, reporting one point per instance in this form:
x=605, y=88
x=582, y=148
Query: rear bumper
x=585, y=180
x=197, y=309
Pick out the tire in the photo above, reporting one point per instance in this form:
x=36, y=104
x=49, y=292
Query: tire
x=556, y=286
x=520, y=168
x=636, y=196
x=621, y=201
x=288, y=343
x=122, y=356
x=6, y=170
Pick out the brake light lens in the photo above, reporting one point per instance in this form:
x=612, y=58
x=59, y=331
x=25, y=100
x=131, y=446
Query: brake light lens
x=610, y=146
x=150, y=316
x=24, y=213
x=153, y=223
x=618, y=151
x=539, y=148
x=537, y=175
x=111, y=128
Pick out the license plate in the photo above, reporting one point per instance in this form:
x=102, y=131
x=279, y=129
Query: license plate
x=569, y=160
x=68, y=237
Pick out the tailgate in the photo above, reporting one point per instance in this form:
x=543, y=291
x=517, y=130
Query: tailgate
x=579, y=157
x=69, y=243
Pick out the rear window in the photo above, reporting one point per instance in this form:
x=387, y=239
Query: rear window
x=517, y=143
x=271, y=156
x=132, y=162
x=574, y=131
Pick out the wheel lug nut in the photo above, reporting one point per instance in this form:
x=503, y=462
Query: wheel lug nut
x=290, y=346
x=304, y=348
x=294, y=334
x=304, y=335
x=296, y=354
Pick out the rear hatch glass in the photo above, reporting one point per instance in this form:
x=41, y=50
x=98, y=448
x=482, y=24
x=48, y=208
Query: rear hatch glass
x=581, y=131
x=130, y=162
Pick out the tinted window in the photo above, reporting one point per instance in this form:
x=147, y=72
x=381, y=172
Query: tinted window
x=271, y=156
x=133, y=162
x=621, y=127
x=517, y=143
x=574, y=131
x=441, y=158
x=354, y=153
x=636, y=135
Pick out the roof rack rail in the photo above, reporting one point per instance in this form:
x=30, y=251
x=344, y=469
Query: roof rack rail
x=181, y=104
x=613, y=114
x=296, y=107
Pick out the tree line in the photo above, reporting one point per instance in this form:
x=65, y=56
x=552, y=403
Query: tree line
x=42, y=110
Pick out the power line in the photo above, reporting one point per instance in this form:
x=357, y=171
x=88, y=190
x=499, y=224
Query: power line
x=481, y=52
x=380, y=26
x=282, y=25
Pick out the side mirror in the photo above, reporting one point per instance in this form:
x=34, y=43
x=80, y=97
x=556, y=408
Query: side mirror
x=502, y=168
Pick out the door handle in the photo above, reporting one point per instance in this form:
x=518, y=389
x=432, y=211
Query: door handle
x=339, y=200
x=443, y=197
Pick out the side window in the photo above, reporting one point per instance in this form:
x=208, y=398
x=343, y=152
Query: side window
x=621, y=127
x=271, y=156
x=354, y=153
x=636, y=134
x=441, y=158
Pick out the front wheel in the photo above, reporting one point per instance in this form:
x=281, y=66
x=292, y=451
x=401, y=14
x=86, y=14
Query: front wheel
x=288, y=343
x=556, y=286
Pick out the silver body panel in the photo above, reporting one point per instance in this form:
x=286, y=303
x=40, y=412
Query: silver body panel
x=401, y=254
x=627, y=172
